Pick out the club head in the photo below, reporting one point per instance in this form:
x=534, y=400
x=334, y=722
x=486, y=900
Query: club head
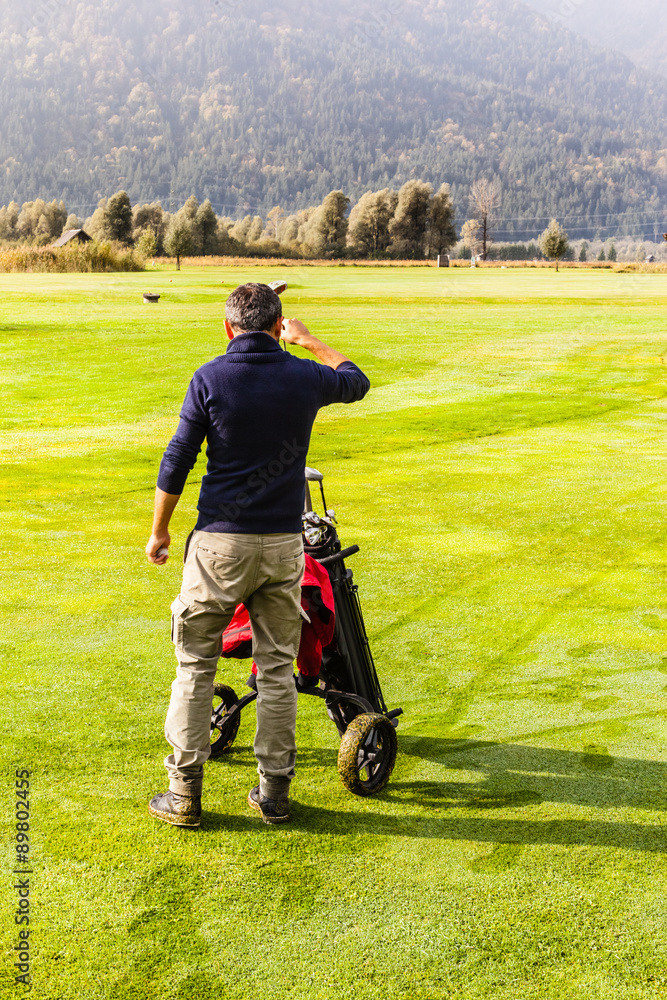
x=278, y=286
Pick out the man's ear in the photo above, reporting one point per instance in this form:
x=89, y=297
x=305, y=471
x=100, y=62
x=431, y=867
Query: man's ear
x=228, y=328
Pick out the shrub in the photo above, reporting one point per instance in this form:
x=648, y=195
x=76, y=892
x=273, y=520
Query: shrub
x=80, y=257
x=146, y=245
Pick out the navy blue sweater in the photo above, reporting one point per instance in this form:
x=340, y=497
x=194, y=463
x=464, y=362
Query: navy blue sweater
x=256, y=406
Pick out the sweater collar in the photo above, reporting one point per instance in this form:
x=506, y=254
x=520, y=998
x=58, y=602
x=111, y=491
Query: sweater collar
x=253, y=342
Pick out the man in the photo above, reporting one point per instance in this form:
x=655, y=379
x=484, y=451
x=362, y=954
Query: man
x=256, y=406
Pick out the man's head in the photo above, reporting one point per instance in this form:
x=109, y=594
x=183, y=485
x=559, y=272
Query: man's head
x=254, y=307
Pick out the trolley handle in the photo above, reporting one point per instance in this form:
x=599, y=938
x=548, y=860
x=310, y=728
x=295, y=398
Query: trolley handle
x=339, y=556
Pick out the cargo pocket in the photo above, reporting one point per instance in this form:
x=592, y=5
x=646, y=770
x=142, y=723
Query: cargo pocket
x=196, y=630
x=178, y=608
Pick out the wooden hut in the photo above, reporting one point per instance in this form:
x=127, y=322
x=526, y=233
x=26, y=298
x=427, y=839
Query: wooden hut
x=72, y=236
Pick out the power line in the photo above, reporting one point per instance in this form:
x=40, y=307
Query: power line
x=581, y=215
x=526, y=224
x=219, y=206
x=649, y=227
x=584, y=216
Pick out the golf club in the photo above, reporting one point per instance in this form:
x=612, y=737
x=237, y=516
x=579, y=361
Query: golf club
x=279, y=287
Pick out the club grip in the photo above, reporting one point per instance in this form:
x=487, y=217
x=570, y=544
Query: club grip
x=339, y=556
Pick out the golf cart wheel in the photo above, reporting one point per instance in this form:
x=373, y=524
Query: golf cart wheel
x=367, y=754
x=223, y=728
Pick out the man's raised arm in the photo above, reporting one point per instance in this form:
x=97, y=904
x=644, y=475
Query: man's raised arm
x=351, y=386
x=297, y=333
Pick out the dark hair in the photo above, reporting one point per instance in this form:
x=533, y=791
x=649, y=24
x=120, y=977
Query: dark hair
x=253, y=307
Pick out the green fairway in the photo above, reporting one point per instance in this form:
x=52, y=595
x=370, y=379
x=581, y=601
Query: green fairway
x=505, y=479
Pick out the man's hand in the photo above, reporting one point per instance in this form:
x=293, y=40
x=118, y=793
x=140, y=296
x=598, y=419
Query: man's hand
x=155, y=543
x=165, y=504
x=295, y=332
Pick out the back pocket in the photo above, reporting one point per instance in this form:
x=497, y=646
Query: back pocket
x=230, y=557
x=218, y=561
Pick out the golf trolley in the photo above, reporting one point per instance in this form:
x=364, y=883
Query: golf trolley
x=348, y=682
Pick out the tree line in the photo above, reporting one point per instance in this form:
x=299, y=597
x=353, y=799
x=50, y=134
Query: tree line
x=412, y=223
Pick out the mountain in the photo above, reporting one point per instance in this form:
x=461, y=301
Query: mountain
x=639, y=29
x=255, y=105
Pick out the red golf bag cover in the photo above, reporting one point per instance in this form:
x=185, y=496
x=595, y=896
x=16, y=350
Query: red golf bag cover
x=318, y=603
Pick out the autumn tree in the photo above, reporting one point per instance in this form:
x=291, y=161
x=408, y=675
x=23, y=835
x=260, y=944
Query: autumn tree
x=239, y=231
x=471, y=234
x=9, y=217
x=178, y=241
x=206, y=223
x=288, y=234
x=72, y=222
x=147, y=243
x=227, y=245
x=41, y=222
x=409, y=225
x=368, y=234
x=255, y=229
x=94, y=225
x=274, y=221
x=190, y=209
x=118, y=218
x=554, y=242
x=326, y=230
x=56, y=216
x=485, y=202
x=149, y=217
x=441, y=229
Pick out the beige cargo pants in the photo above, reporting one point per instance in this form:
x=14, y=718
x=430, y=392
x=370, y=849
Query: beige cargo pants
x=264, y=572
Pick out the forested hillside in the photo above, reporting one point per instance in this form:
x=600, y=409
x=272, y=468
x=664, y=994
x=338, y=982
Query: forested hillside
x=254, y=105
x=637, y=29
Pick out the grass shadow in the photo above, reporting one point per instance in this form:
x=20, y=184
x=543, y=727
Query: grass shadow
x=592, y=777
x=512, y=777
x=314, y=820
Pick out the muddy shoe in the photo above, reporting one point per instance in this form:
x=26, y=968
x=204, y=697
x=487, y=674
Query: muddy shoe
x=273, y=810
x=179, y=810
